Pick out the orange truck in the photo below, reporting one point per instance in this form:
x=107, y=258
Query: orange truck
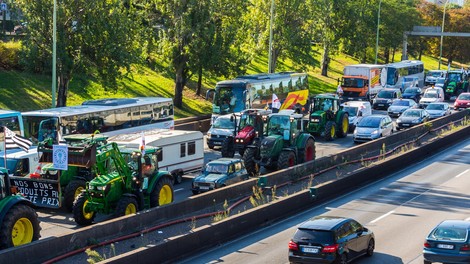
x=361, y=82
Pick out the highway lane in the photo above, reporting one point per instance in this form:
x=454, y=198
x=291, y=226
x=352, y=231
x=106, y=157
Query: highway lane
x=401, y=210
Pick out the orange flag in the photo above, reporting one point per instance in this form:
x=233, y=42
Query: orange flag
x=293, y=98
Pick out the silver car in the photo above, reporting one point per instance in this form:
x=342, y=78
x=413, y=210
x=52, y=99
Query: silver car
x=373, y=127
x=437, y=110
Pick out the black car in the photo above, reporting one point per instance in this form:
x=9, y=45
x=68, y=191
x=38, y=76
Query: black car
x=384, y=98
x=412, y=93
x=412, y=117
x=329, y=239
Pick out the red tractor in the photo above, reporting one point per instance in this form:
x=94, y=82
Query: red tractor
x=248, y=131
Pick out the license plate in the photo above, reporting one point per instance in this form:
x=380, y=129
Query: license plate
x=405, y=124
x=445, y=246
x=204, y=187
x=396, y=113
x=380, y=104
x=309, y=250
x=217, y=143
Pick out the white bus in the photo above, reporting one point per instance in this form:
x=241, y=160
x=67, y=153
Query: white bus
x=109, y=116
x=403, y=74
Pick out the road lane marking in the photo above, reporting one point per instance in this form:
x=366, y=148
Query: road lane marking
x=177, y=190
x=382, y=216
x=462, y=173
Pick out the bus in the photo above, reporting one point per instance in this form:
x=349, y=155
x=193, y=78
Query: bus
x=403, y=74
x=254, y=91
x=13, y=121
x=108, y=116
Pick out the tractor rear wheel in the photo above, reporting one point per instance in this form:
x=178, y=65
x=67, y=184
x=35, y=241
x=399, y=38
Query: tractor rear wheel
x=330, y=131
x=72, y=190
x=249, y=159
x=20, y=226
x=81, y=215
x=126, y=205
x=308, y=153
x=343, y=125
x=227, y=148
x=162, y=193
x=286, y=160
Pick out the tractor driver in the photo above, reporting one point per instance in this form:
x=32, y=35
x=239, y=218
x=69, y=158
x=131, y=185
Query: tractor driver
x=147, y=166
x=327, y=105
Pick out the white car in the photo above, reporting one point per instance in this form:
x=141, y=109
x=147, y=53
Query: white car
x=432, y=95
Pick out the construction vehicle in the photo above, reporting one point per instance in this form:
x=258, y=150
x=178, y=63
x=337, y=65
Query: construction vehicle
x=127, y=181
x=19, y=223
x=284, y=144
x=248, y=132
x=456, y=83
x=327, y=117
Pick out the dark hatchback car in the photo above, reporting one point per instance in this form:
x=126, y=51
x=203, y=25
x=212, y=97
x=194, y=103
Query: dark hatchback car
x=326, y=239
x=412, y=93
x=412, y=117
x=385, y=98
x=448, y=242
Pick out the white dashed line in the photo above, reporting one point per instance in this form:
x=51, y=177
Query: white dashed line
x=383, y=216
x=462, y=173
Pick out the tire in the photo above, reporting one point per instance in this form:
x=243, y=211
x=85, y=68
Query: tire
x=125, y=206
x=308, y=153
x=72, y=190
x=343, y=126
x=178, y=176
x=80, y=216
x=330, y=130
x=241, y=151
x=210, y=146
x=195, y=192
x=162, y=193
x=342, y=259
x=427, y=262
x=370, y=248
x=227, y=148
x=20, y=226
x=286, y=160
x=250, y=164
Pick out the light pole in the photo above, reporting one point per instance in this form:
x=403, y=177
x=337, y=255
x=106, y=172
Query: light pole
x=270, y=51
x=442, y=32
x=377, y=35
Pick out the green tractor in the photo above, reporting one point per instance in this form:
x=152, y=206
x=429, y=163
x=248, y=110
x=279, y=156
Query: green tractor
x=327, y=117
x=456, y=83
x=19, y=223
x=284, y=144
x=127, y=181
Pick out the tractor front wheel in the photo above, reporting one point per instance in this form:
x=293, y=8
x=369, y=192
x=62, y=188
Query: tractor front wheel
x=126, y=205
x=286, y=160
x=330, y=131
x=72, y=190
x=20, y=226
x=82, y=215
x=249, y=160
x=343, y=125
x=228, y=150
x=162, y=193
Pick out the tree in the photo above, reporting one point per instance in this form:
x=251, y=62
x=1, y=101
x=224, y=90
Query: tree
x=98, y=38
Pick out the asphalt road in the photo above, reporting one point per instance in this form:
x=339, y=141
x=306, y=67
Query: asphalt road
x=400, y=210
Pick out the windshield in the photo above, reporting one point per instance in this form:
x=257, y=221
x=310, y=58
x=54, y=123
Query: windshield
x=385, y=94
x=464, y=97
x=449, y=233
x=454, y=77
x=224, y=122
x=430, y=95
x=435, y=107
x=373, y=122
x=441, y=81
x=435, y=74
x=39, y=128
x=228, y=100
x=412, y=90
x=353, y=82
x=401, y=103
x=352, y=111
x=216, y=168
x=414, y=113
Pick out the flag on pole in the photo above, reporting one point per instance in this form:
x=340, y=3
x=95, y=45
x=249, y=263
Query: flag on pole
x=14, y=141
x=276, y=104
x=293, y=98
x=142, y=144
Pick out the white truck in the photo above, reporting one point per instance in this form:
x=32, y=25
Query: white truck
x=182, y=151
x=361, y=82
x=19, y=162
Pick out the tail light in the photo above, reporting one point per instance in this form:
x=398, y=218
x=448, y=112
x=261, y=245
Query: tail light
x=293, y=245
x=330, y=249
x=465, y=248
x=427, y=245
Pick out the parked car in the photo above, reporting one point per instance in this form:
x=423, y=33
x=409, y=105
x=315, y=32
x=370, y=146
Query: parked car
x=462, y=101
x=385, y=98
x=356, y=111
x=448, y=242
x=437, y=110
x=412, y=117
x=219, y=173
x=327, y=239
x=373, y=127
x=431, y=95
x=399, y=106
x=412, y=93
x=222, y=127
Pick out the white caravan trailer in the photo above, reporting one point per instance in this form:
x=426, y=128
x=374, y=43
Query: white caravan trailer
x=182, y=151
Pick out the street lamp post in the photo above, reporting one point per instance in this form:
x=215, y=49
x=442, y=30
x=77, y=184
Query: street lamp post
x=442, y=32
x=377, y=35
x=270, y=51
x=54, y=53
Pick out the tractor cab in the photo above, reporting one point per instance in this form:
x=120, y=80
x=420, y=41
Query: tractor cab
x=327, y=117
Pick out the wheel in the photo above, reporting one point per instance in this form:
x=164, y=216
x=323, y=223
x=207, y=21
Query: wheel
x=344, y=125
x=370, y=248
x=178, y=176
x=309, y=151
x=330, y=131
x=249, y=159
x=195, y=192
x=126, y=205
x=20, y=226
x=227, y=148
x=286, y=160
x=81, y=214
x=210, y=146
x=427, y=262
x=162, y=193
x=342, y=259
x=72, y=190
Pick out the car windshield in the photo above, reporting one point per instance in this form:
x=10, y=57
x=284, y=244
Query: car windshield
x=385, y=94
x=318, y=236
x=369, y=122
x=223, y=122
x=430, y=95
x=435, y=107
x=352, y=111
x=216, y=168
x=435, y=74
x=440, y=81
x=412, y=113
x=412, y=90
x=464, y=97
x=449, y=233
x=401, y=103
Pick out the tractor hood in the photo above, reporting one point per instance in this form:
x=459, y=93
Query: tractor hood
x=246, y=132
x=269, y=144
x=104, y=180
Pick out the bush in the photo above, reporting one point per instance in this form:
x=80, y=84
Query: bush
x=9, y=55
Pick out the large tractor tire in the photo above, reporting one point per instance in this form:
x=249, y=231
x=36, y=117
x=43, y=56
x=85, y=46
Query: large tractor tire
x=343, y=125
x=81, y=216
x=330, y=131
x=308, y=152
x=20, y=226
x=249, y=160
x=162, y=193
x=72, y=190
x=126, y=205
x=227, y=149
x=286, y=160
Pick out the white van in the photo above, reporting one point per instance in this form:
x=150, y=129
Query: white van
x=431, y=95
x=356, y=110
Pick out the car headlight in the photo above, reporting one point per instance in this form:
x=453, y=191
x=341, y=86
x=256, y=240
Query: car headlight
x=209, y=134
x=398, y=120
x=375, y=132
x=355, y=131
x=389, y=101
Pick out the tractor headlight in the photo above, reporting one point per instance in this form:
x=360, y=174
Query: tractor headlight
x=100, y=188
x=316, y=120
